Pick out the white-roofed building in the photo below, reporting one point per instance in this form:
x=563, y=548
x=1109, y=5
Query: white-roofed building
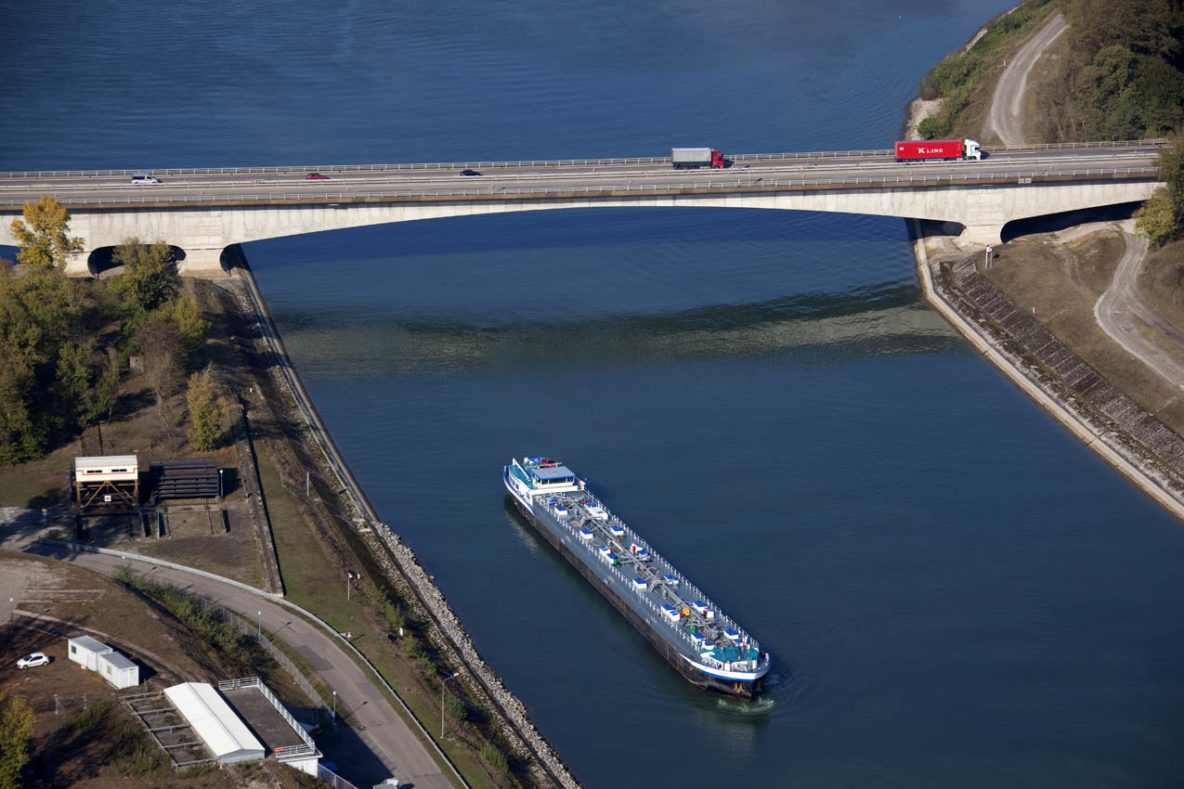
x=118, y=670
x=106, y=482
x=223, y=732
x=85, y=651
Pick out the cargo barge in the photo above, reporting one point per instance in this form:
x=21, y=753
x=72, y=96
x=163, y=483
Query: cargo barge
x=702, y=643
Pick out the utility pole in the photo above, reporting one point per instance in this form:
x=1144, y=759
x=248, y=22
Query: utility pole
x=442, y=684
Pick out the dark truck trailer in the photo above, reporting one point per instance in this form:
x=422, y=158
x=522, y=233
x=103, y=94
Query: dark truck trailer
x=694, y=158
x=912, y=150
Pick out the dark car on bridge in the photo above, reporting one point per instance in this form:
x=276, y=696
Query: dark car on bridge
x=469, y=172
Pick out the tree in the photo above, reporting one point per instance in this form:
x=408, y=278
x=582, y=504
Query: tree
x=102, y=396
x=163, y=351
x=22, y=432
x=16, y=726
x=43, y=234
x=35, y=312
x=1157, y=218
x=72, y=384
x=193, y=327
x=205, y=412
x=149, y=277
x=1171, y=170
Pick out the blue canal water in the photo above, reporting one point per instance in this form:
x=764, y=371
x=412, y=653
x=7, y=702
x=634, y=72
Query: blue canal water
x=955, y=591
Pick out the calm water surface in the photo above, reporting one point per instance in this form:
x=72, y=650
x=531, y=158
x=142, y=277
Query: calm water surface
x=956, y=592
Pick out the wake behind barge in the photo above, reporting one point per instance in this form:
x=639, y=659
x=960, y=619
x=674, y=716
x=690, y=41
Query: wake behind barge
x=707, y=647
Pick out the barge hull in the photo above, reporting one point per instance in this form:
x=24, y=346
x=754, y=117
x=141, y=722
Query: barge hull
x=744, y=690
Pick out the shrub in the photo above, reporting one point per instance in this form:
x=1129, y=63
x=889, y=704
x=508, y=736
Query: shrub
x=494, y=757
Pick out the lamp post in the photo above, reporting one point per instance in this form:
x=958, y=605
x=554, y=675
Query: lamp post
x=258, y=626
x=348, y=575
x=11, y=615
x=442, y=684
x=335, y=709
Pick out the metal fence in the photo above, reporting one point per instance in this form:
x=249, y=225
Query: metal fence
x=285, y=663
x=332, y=778
x=594, y=162
x=309, y=746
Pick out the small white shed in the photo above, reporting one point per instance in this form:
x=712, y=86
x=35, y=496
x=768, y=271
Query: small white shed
x=85, y=651
x=119, y=670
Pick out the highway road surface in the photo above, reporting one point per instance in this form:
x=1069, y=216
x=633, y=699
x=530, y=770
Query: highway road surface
x=500, y=180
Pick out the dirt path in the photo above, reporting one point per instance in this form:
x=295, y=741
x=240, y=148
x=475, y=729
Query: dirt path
x=1007, y=106
x=1122, y=313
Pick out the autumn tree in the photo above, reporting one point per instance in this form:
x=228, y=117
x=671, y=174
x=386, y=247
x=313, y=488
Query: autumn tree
x=1161, y=217
x=205, y=412
x=1156, y=218
x=43, y=234
x=16, y=727
x=1171, y=170
x=193, y=327
x=149, y=278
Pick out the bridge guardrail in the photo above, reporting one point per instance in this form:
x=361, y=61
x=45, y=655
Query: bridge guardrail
x=593, y=162
x=756, y=185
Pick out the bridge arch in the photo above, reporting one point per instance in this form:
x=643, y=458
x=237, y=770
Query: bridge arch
x=1049, y=223
x=100, y=262
x=206, y=231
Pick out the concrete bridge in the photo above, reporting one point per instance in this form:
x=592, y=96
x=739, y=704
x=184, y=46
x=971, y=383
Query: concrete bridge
x=203, y=212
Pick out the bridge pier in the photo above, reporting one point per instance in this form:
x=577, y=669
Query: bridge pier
x=983, y=235
x=78, y=265
x=201, y=263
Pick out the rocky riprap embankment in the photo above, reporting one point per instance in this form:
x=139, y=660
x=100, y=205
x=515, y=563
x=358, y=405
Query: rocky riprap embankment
x=440, y=613
x=1133, y=433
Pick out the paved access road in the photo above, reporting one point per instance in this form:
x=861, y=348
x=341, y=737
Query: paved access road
x=1007, y=106
x=748, y=173
x=383, y=733
x=1122, y=314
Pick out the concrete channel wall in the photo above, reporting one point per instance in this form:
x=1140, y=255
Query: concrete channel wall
x=1111, y=424
x=400, y=562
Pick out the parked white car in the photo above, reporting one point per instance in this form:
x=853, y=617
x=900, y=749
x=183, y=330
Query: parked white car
x=33, y=659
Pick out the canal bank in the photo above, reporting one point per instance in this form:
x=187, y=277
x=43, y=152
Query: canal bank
x=344, y=505
x=1110, y=423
